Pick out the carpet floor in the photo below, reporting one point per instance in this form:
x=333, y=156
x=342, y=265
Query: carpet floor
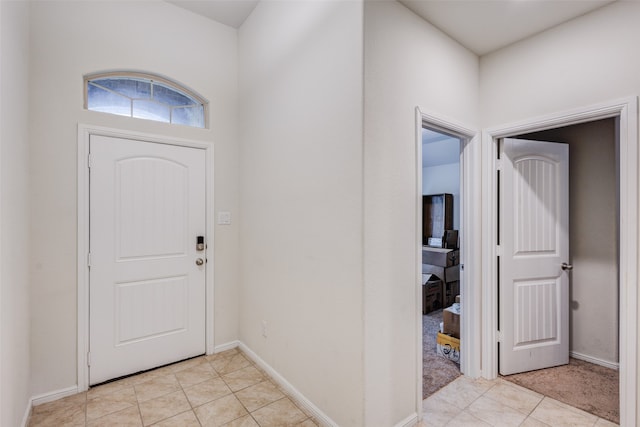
x=437, y=371
x=590, y=387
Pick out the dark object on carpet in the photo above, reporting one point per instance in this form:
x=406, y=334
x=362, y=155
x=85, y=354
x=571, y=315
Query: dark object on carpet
x=437, y=371
x=590, y=387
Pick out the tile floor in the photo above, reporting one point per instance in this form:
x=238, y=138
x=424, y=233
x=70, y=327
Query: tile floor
x=224, y=389
x=227, y=389
x=478, y=403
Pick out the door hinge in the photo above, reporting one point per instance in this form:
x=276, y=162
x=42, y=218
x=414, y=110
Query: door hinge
x=498, y=164
x=498, y=250
x=89, y=358
x=89, y=161
x=499, y=336
x=89, y=259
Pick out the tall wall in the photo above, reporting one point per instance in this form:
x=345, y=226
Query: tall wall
x=68, y=40
x=301, y=232
x=593, y=230
x=588, y=60
x=408, y=63
x=14, y=213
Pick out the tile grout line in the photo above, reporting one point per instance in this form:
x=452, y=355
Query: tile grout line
x=172, y=377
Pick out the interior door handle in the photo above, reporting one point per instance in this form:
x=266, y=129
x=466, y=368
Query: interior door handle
x=567, y=267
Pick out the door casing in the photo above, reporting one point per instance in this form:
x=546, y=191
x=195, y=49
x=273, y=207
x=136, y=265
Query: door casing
x=626, y=111
x=84, y=133
x=470, y=244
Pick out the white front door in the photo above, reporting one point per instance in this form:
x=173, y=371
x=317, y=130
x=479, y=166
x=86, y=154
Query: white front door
x=146, y=292
x=534, y=244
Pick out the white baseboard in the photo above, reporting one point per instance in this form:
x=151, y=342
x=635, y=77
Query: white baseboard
x=44, y=398
x=53, y=395
x=411, y=420
x=594, y=360
x=226, y=346
x=300, y=399
x=27, y=414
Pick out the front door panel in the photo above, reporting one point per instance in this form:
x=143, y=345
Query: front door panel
x=147, y=295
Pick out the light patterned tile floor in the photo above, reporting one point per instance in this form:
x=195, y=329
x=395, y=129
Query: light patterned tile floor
x=498, y=403
x=224, y=389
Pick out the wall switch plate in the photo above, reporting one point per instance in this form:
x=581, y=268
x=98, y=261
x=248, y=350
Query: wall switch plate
x=224, y=218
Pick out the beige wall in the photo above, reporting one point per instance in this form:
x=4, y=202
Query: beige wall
x=408, y=63
x=14, y=213
x=70, y=39
x=301, y=233
x=593, y=236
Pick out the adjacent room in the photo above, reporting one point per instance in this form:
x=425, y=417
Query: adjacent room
x=440, y=259
x=590, y=380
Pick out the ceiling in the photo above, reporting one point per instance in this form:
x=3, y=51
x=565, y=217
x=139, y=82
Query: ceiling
x=482, y=26
x=229, y=12
x=439, y=149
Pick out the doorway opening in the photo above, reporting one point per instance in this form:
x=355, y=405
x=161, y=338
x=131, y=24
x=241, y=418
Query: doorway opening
x=588, y=377
x=623, y=114
x=470, y=244
x=441, y=219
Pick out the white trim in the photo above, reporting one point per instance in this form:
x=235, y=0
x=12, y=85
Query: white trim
x=26, y=418
x=54, y=395
x=300, y=399
x=594, y=360
x=227, y=346
x=418, y=264
x=411, y=420
x=627, y=111
x=44, y=398
x=470, y=238
x=84, y=132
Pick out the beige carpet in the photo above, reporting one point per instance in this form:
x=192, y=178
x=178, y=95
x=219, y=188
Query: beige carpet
x=437, y=371
x=590, y=387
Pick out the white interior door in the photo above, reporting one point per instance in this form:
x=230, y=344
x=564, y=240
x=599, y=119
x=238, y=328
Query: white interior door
x=534, y=244
x=146, y=294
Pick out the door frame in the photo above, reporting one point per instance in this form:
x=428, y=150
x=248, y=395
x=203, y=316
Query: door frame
x=626, y=111
x=84, y=134
x=470, y=242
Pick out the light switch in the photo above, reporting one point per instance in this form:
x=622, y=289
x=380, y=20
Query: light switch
x=224, y=218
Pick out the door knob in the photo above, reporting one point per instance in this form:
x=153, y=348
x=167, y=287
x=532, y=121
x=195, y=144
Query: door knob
x=567, y=267
x=199, y=261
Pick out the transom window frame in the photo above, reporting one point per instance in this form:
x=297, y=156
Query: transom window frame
x=152, y=79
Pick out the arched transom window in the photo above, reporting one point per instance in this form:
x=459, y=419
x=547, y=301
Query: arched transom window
x=144, y=96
